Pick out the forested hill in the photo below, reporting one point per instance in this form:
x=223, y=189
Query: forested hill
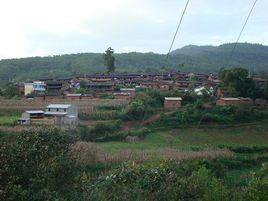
x=194, y=58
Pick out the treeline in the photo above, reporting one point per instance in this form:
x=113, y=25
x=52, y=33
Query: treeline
x=190, y=58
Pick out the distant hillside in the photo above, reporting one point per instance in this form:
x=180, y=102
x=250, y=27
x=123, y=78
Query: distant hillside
x=194, y=58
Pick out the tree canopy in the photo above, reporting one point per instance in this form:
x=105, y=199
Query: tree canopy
x=109, y=60
x=237, y=82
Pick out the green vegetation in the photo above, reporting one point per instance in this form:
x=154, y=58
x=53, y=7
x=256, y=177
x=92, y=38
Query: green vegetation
x=49, y=164
x=237, y=83
x=145, y=103
x=198, y=138
x=196, y=114
x=198, y=152
x=99, y=132
x=109, y=60
x=38, y=167
x=8, y=118
x=193, y=58
x=9, y=91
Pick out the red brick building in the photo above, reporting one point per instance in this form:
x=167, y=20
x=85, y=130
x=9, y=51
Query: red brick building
x=172, y=102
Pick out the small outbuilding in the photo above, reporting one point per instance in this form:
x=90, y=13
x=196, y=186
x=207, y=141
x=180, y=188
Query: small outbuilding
x=30, y=115
x=172, y=102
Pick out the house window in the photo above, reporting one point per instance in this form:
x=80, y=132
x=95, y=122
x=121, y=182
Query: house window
x=64, y=109
x=57, y=109
x=49, y=109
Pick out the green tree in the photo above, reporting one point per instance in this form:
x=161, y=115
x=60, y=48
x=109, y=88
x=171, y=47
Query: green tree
x=38, y=166
x=10, y=90
x=237, y=82
x=109, y=60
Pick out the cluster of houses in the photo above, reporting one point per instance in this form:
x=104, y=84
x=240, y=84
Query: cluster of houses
x=93, y=84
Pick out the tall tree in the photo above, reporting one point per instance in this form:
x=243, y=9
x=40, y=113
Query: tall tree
x=10, y=90
x=109, y=60
x=237, y=82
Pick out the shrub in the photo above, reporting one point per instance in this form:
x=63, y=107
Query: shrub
x=257, y=190
x=86, y=153
x=137, y=110
x=100, y=132
x=38, y=167
x=167, y=181
x=196, y=114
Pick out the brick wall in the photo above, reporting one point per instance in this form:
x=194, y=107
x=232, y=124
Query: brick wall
x=172, y=104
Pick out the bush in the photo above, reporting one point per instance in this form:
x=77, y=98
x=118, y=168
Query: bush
x=137, y=110
x=167, y=181
x=244, y=149
x=38, y=167
x=100, y=132
x=196, y=114
x=257, y=190
x=86, y=153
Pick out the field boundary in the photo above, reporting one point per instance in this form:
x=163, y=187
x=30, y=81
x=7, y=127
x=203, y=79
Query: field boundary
x=209, y=126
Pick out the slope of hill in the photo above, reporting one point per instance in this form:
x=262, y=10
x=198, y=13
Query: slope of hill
x=194, y=58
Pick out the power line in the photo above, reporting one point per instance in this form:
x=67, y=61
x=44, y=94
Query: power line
x=178, y=27
x=240, y=34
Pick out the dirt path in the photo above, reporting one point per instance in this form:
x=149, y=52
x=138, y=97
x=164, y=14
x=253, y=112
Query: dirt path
x=130, y=124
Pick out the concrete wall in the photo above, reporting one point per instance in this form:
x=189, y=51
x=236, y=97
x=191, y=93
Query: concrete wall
x=73, y=111
x=25, y=115
x=65, y=120
x=28, y=88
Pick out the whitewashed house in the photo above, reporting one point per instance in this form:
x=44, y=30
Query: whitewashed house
x=64, y=114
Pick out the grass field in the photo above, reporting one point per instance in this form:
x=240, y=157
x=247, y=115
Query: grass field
x=8, y=118
x=189, y=138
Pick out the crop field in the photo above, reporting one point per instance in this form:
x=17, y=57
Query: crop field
x=85, y=106
x=8, y=118
x=191, y=138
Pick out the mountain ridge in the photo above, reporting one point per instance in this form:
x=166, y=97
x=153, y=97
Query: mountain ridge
x=194, y=58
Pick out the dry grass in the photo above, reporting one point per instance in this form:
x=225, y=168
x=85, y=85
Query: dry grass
x=89, y=153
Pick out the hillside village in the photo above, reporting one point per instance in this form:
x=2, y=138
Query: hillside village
x=145, y=123
x=124, y=87
x=92, y=85
x=113, y=125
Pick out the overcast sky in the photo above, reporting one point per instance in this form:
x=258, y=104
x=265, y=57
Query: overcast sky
x=52, y=27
